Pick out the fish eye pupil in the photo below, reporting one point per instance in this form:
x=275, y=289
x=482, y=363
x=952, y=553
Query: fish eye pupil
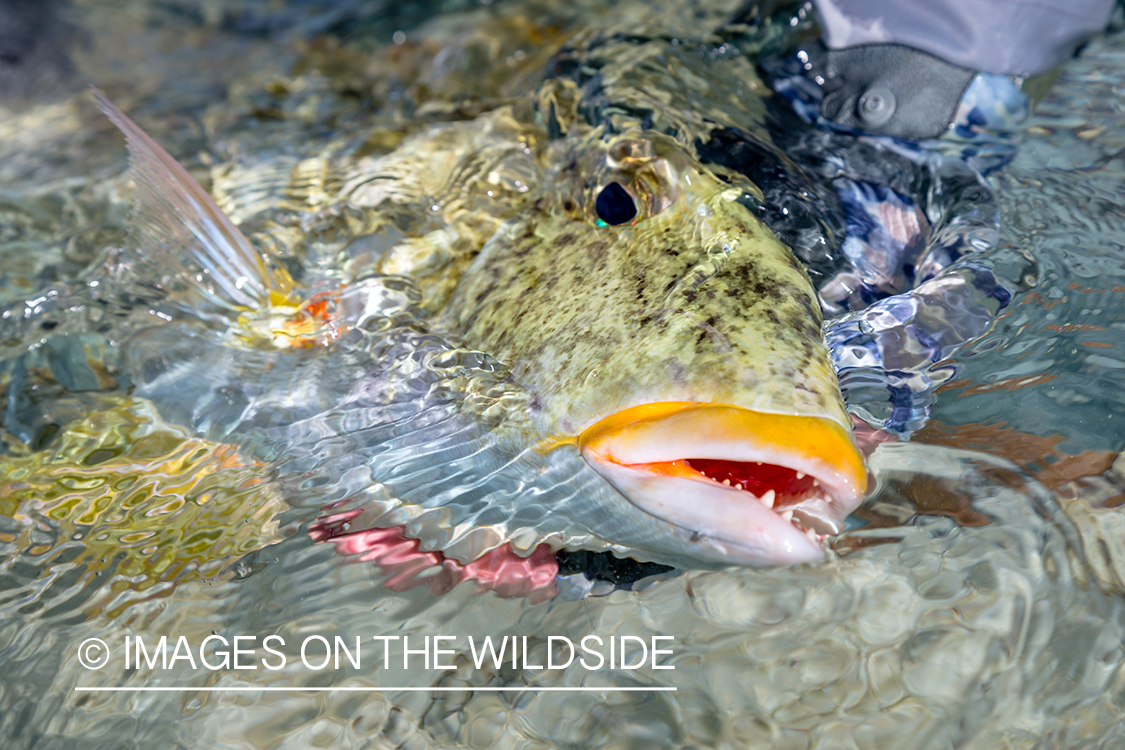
x=615, y=205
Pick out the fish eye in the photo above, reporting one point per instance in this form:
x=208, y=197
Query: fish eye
x=614, y=205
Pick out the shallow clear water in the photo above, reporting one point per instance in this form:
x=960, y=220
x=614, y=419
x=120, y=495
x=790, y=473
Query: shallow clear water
x=977, y=600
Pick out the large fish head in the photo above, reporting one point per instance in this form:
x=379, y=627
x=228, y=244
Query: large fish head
x=664, y=329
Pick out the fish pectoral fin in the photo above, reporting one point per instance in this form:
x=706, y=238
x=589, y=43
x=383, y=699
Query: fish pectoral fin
x=317, y=321
x=183, y=239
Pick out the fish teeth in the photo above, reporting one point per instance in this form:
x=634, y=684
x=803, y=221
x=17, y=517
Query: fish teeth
x=800, y=475
x=738, y=486
x=812, y=537
x=768, y=499
x=726, y=482
x=787, y=516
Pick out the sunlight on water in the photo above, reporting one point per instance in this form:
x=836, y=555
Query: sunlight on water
x=160, y=478
x=136, y=503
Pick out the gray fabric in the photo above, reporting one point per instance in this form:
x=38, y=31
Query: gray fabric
x=887, y=88
x=1011, y=37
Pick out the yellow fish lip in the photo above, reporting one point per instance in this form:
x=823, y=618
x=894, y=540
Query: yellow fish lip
x=760, y=488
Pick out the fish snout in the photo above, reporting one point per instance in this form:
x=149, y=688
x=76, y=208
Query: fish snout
x=756, y=488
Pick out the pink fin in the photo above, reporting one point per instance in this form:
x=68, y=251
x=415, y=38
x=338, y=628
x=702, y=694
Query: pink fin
x=182, y=236
x=407, y=565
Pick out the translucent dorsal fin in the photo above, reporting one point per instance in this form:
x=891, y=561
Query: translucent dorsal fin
x=181, y=235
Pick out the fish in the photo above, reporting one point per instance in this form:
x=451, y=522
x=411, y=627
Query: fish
x=653, y=325
x=591, y=340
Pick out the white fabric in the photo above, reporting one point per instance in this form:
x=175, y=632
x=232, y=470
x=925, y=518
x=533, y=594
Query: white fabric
x=1011, y=37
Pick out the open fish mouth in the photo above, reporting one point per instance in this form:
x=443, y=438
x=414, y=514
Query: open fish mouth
x=753, y=487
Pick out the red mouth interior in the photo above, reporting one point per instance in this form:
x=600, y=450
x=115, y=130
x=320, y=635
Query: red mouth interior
x=757, y=478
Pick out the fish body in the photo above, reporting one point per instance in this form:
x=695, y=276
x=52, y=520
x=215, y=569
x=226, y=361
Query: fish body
x=620, y=355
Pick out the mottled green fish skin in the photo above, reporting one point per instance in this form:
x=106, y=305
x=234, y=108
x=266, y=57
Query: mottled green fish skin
x=696, y=300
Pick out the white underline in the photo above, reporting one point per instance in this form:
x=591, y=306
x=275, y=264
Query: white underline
x=524, y=689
